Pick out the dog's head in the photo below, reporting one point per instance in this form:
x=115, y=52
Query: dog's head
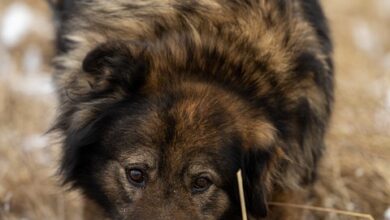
x=145, y=149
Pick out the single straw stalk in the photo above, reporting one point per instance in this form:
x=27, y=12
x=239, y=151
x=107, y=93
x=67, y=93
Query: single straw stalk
x=297, y=206
x=242, y=196
x=321, y=209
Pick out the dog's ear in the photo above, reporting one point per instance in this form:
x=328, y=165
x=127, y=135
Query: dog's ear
x=112, y=65
x=254, y=171
x=110, y=71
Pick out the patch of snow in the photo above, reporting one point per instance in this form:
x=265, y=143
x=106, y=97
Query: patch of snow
x=365, y=38
x=36, y=141
x=32, y=60
x=19, y=20
x=37, y=145
x=387, y=214
x=15, y=24
x=34, y=85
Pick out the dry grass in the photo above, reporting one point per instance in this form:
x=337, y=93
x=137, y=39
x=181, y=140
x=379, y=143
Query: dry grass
x=355, y=174
x=28, y=186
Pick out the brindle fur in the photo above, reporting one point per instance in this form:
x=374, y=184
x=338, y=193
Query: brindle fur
x=190, y=86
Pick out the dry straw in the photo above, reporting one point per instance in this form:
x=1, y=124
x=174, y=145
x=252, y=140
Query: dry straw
x=242, y=196
x=290, y=205
x=321, y=209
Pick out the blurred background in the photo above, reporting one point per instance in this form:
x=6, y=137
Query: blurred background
x=355, y=173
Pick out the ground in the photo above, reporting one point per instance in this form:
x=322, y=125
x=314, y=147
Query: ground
x=355, y=174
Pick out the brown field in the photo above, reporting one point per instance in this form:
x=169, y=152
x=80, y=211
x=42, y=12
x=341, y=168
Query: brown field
x=355, y=174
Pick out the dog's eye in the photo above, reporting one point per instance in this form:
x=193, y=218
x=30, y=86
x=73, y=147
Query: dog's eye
x=137, y=177
x=201, y=184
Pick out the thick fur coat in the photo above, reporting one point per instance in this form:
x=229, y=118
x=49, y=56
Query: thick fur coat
x=162, y=101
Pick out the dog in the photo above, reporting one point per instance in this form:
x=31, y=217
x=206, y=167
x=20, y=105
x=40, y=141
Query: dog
x=161, y=102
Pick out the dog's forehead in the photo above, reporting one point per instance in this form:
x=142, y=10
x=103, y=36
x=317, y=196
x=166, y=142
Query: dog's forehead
x=179, y=125
x=188, y=118
x=181, y=137
x=195, y=127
